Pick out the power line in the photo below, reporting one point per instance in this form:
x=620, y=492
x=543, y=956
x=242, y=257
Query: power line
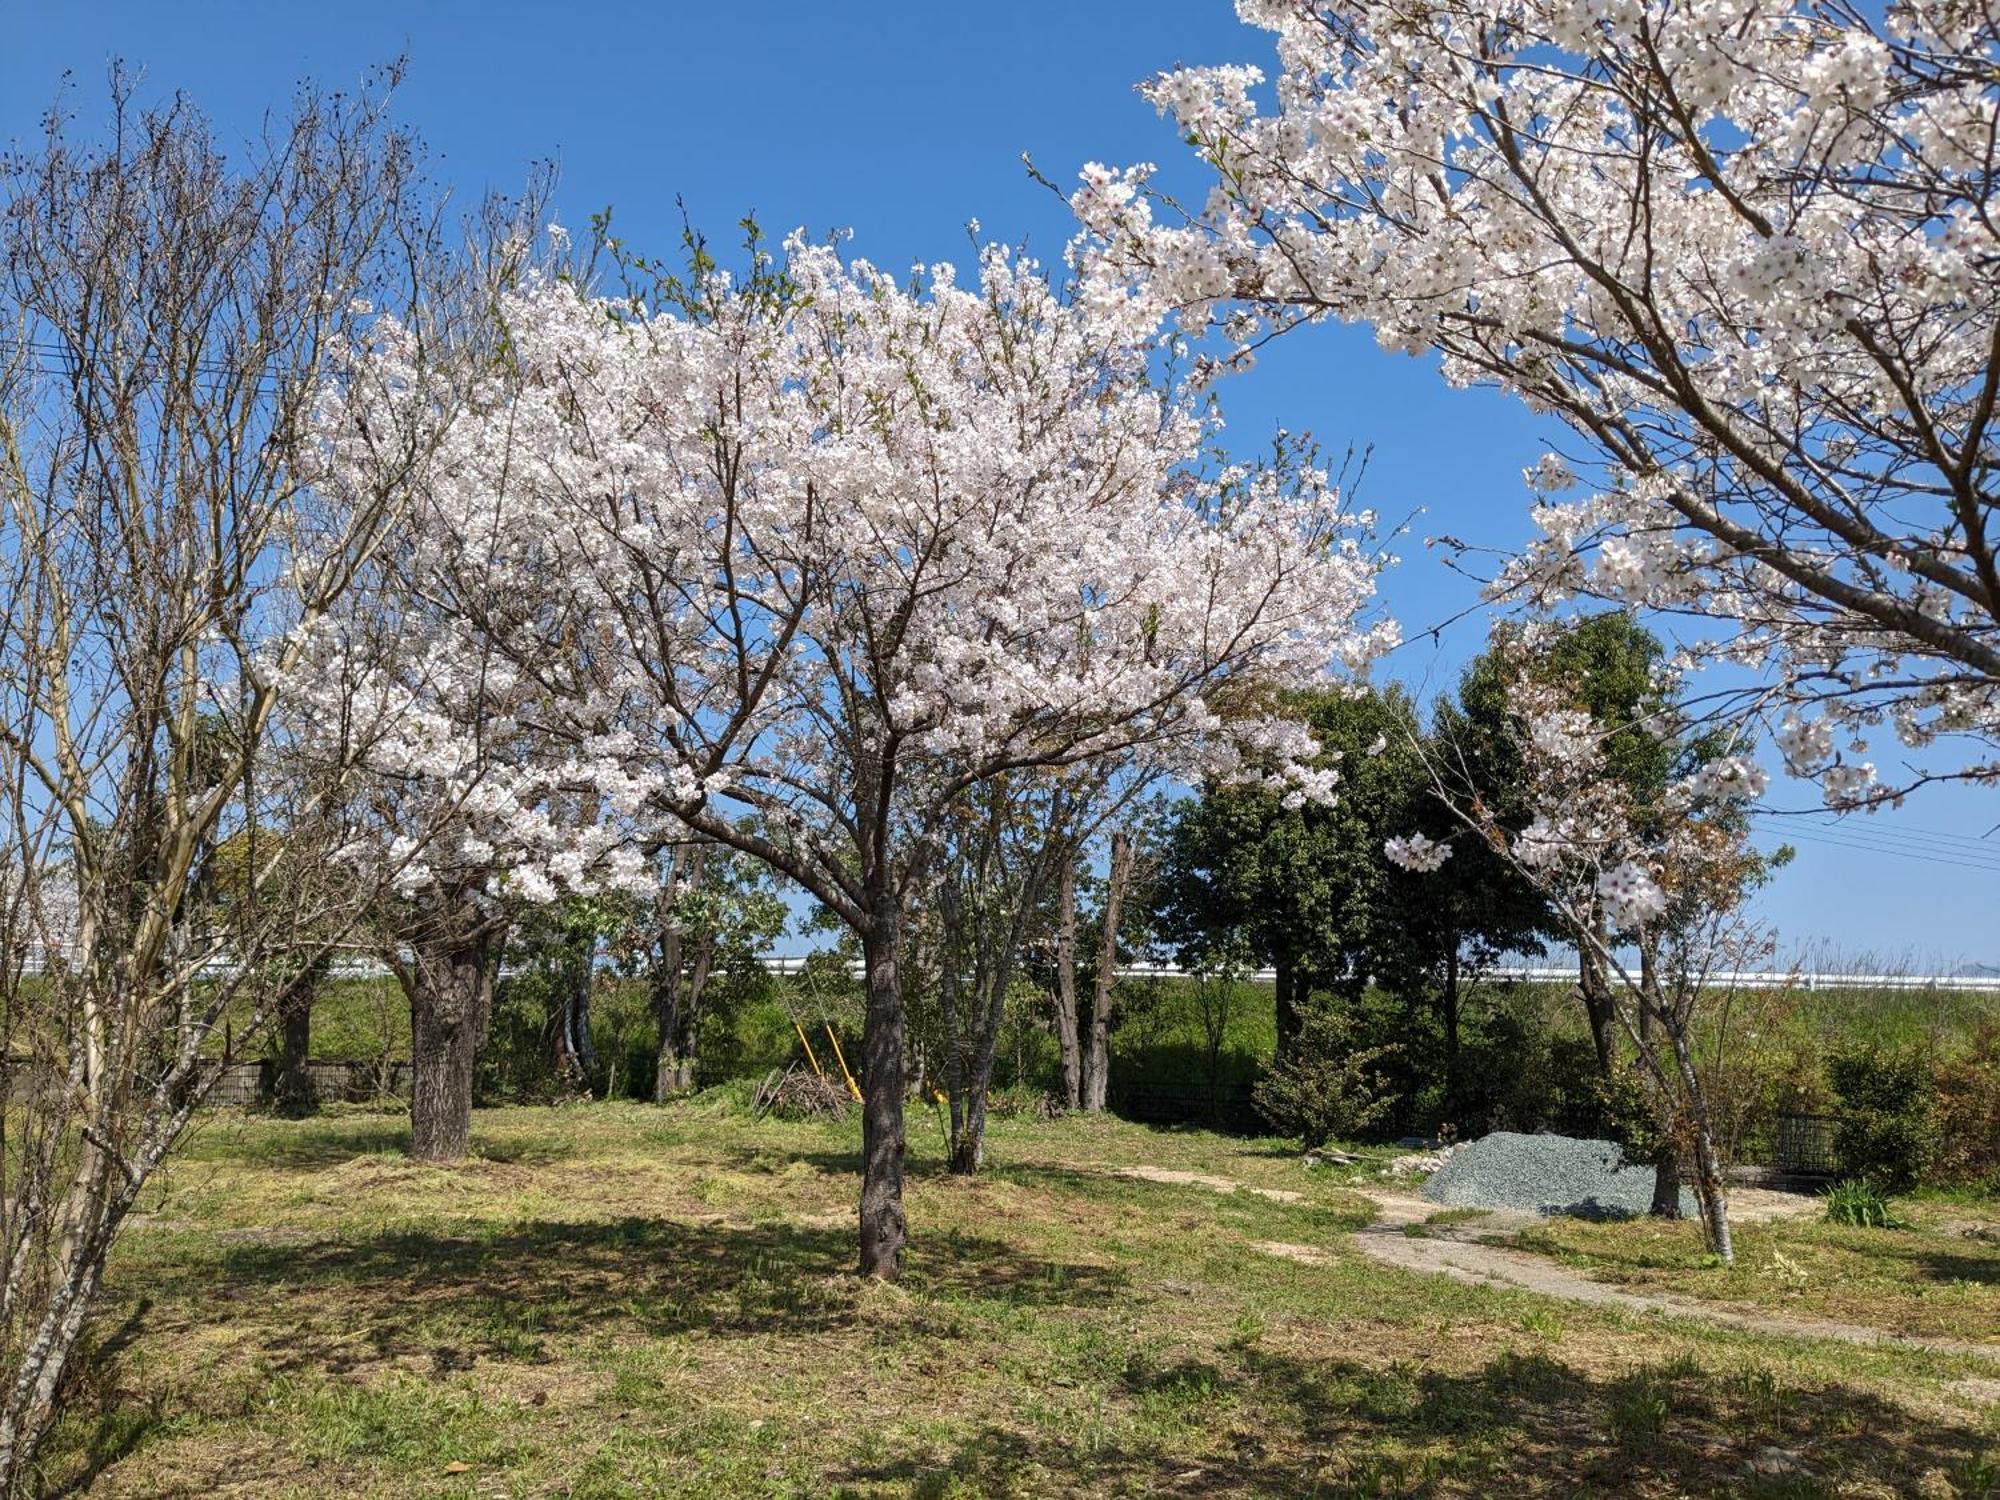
x=1929, y=857
x=1878, y=828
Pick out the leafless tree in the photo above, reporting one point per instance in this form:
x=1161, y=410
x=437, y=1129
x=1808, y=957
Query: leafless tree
x=167, y=884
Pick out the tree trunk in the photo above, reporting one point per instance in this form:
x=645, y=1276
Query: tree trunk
x=1066, y=1037
x=1666, y=1202
x=1285, y=984
x=1096, y=1082
x=669, y=1067
x=1710, y=1191
x=1593, y=984
x=995, y=975
x=1450, y=1001
x=1666, y=1184
x=447, y=991
x=883, y=1228
x=1712, y=1196
x=676, y=1007
x=950, y=954
x=296, y=1097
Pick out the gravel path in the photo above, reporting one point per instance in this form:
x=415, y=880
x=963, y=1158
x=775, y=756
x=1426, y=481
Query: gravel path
x=1443, y=1253
x=1517, y=1270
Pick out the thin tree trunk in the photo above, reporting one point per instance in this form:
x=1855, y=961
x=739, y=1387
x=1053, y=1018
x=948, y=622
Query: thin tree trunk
x=296, y=1096
x=687, y=1037
x=883, y=1228
x=969, y=1091
x=1666, y=1202
x=1097, y=1069
x=1713, y=1196
x=1710, y=1191
x=582, y=989
x=1285, y=981
x=447, y=991
x=969, y=1150
x=1594, y=988
x=1066, y=1038
x=1451, y=1014
x=675, y=1009
x=950, y=952
x=666, y=996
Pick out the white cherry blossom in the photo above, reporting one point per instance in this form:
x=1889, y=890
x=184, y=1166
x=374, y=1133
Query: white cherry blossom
x=1749, y=252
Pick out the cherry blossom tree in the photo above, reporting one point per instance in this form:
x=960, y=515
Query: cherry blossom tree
x=437, y=741
x=1630, y=866
x=1747, y=251
x=838, y=550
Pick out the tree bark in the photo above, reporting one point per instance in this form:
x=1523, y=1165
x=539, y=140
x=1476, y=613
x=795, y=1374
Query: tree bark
x=569, y=1026
x=295, y=1094
x=990, y=998
x=1066, y=1035
x=676, y=1009
x=1285, y=984
x=447, y=986
x=883, y=1228
x=1666, y=1202
x=1710, y=1191
x=1097, y=1081
x=1593, y=985
x=1666, y=1184
x=1450, y=1001
x=951, y=954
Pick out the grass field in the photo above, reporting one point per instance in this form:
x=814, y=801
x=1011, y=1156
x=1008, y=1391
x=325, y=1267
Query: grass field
x=619, y=1299
x=1938, y=1278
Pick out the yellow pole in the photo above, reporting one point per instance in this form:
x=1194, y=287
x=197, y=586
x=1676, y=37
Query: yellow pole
x=852, y=1087
x=809, y=1049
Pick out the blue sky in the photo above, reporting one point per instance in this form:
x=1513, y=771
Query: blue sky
x=901, y=121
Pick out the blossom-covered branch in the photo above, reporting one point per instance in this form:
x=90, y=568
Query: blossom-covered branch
x=1747, y=251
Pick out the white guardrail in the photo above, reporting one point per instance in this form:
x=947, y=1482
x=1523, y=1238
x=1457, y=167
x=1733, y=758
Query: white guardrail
x=1978, y=984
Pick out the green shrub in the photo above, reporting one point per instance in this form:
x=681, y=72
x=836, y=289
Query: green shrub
x=1888, y=1129
x=1968, y=1115
x=1327, y=1086
x=1859, y=1204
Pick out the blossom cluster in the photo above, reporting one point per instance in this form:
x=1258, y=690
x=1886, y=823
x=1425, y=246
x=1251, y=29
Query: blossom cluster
x=1749, y=252
x=789, y=542
x=1590, y=840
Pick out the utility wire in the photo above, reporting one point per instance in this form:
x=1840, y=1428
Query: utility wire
x=1930, y=857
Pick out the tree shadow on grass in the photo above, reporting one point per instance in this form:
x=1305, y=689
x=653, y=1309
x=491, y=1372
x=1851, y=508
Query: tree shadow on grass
x=457, y=1299
x=1933, y=1264
x=324, y=1143
x=302, y=1145
x=1261, y=1422
x=826, y=1163
x=100, y=1424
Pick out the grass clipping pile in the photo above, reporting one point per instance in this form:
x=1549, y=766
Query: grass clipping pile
x=1545, y=1174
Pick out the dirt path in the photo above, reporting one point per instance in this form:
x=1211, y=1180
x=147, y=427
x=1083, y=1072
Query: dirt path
x=1213, y=1184
x=1448, y=1252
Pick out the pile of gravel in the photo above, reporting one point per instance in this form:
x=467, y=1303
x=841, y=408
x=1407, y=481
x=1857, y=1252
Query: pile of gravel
x=1545, y=1174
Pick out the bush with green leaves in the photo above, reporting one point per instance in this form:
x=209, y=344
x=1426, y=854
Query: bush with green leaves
x=1888, y=1129
x=1859, y=1204
x=1968, y=1114
x=1330, y=1085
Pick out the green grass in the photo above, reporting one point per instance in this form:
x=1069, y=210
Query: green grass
x=1936, y=1275
x=615, y=1300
